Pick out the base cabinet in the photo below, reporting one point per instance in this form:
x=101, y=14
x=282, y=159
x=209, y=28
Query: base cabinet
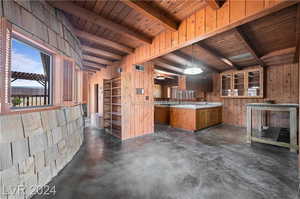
x=162, y=115
x=208, y=117
x=195, y=119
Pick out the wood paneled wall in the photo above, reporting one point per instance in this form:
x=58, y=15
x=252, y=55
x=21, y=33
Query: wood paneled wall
x=137, y=110
x=85, y=87
x=281, y=85
x=182, y=82
x=207, y=22
x=105, y=73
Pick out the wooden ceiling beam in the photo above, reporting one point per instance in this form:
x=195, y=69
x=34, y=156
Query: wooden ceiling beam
x=242, y=38
x=168, y=65
x=88, y=71
x=91, y=64
x=96, y=60
x=163, y=69
x=100, y=52
x=185, y=59
x=101, y=41
x=92, y=17
x=215, y=4
x=88, y=68
x=146, y=9
x=297, y=53
x=281, y=52
x=217, y=55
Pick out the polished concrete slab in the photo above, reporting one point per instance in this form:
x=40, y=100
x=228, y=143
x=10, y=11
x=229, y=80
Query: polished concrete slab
x=173, y=164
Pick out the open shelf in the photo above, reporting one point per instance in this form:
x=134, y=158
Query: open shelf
x=112, y=107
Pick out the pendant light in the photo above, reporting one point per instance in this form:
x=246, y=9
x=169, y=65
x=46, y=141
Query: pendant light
x=193, y=69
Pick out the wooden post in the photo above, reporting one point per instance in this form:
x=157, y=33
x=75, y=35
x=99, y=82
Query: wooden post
x=259, y=120
x=249, y=124
x=5, y=64
x=293, y=129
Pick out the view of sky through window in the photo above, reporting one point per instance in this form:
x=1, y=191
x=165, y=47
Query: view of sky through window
x=25, y=58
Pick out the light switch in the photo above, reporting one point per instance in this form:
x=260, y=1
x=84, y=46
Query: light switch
x=140, y=91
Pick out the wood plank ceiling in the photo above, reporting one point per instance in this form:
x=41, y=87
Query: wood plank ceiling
x=109, y=30
x=267, y=41
x=115, y=28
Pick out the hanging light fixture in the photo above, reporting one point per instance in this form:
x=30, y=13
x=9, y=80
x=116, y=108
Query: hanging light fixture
x=193, y=69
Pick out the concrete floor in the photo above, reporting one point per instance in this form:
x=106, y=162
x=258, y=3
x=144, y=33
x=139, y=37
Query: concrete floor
x=172, y=164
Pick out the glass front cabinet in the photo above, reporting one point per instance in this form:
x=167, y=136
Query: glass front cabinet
x=242, y=84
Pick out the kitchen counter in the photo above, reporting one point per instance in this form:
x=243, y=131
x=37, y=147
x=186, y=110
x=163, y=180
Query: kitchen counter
x=193, y=117
x=197, y=106
x=272, y=105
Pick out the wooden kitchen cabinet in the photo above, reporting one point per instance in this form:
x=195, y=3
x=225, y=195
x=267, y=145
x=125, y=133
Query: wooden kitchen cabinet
x=162, y=114
x=208, y=117
x=195, y=119
x=242, y=84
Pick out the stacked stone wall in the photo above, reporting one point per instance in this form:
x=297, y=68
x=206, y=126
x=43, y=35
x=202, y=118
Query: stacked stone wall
x=35, y=146
x=37, y=20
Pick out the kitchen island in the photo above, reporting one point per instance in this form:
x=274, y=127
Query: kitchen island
x=193, y=117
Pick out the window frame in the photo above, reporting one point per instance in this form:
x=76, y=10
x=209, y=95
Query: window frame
x=17, y=36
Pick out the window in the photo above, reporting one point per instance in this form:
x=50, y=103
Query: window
x=30, y=75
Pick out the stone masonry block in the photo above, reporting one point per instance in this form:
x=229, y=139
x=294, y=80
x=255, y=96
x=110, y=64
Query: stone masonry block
x=40, y=30
x=24, y=4
x=44, y=176
x=51, y=154
x=61, y=118
x=52, y=38
x=53, y=168
x=61, y=162
x=27, y=20
x=39, y=161
x=31, y=184
x=79, y=122
x=12, y=12
x=5, y=156
x=71, y=127
x=39, y=11
x=11, y=179
x=62, y=148
x=49, y=119
x=27, y=167
x=20, y=150
x=57, y=135
x=49, y=138
x=37, y=143
x=11, y=128
x=32, y=123
x=64, y=130
x=69, y=115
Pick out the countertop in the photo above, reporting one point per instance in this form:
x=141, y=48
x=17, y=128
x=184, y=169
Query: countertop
x=197, y=106
x=272, y=105
x=191, y=105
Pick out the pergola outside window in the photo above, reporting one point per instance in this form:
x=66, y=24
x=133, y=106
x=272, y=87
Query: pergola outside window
x=30, y=76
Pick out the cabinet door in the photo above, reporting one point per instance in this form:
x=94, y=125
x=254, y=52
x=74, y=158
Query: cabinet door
x=201, y=119
x=254, y=83
x=238, y=84
x=226, y=84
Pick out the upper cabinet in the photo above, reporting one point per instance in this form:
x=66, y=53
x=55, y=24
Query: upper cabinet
x=226, y=84
x=242, y=84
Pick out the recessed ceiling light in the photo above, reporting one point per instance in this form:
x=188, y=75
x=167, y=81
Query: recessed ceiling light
x=192, y=71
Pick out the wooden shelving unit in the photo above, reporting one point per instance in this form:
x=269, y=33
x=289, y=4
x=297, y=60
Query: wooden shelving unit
x=242, y=84
x=112, y=107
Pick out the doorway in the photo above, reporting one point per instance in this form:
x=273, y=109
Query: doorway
x=96, y=91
